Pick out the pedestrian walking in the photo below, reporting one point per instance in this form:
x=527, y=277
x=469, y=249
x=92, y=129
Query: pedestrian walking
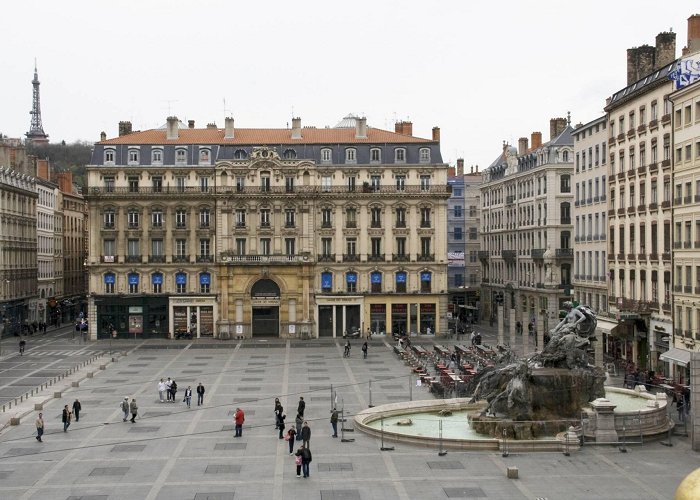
x=76, y=409
x=306, y=435
x=65, y=418
x=161, y=390
x=346, y=352
x=173, y=390
x=125, y=408
x=168, y=383
x=239, y=418
x=291, y=434
x=280, y=426
x=334, y=422
x=297, y=460
x=305, y=460
x=134, y=410
x=22, y=345
x=299, y=421
x=200, y=394
x=188, y=396
x=39, y=427
x=279, y=417
x=364, y=350
x=301, y=407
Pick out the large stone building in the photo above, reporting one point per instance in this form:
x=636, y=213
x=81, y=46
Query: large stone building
x=639, y=204
x=47, y=192
x=527, y=253
x=590, y=223
x=686, y=208
x=278, y=232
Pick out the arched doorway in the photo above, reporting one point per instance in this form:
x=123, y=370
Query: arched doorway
x=265, y=300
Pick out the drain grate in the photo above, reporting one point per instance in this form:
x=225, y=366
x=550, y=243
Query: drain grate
x=447, y=465
x=464, y=492
x=223, y=469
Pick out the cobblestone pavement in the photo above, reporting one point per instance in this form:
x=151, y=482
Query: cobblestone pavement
x=173, y=452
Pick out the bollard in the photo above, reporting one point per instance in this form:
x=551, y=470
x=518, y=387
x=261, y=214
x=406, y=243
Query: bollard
x=38, y=407
x=14, y=421
x=90, y=374
x=103, y=367
x=512, y=473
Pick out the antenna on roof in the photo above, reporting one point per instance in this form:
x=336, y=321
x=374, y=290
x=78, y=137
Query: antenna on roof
x=169, y=101
x=568, y=118
x=227, y=112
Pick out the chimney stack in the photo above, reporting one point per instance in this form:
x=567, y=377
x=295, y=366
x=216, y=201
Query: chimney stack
x=172, y=128
x=665, y=49
x=190, y=123
x=211, y=125
x=556, y=127
x=361, y=128
x=228, y=128
x=65, y=181
x=522, y=146
x=296, y=128
x=536, y=139
x=471, y=169
x=436, y=134
x=42, y=169
x=640, y=62
x=103, y=136
x=693, y=33
x=460, y=167
x=124, y=128
x=402, y=127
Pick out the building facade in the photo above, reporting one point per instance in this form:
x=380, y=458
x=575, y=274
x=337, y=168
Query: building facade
x=639, y=205
x=456, y=248
x=526, y=238
x=278, y=232
x=45, y=231
x=590, y=222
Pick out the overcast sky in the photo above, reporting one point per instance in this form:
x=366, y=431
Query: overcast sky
x=484, y=72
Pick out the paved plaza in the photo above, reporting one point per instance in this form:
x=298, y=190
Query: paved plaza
x=174, y=453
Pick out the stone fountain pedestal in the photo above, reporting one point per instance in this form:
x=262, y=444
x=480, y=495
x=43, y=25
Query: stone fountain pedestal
x=605, y=420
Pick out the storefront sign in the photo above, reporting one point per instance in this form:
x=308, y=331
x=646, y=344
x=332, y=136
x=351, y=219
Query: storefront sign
x=255, y=301
x=157, y=279
x=135, y=310
x=133, y=279
x=205, y=279
x=109, y=279
x=425, y=276
x=180, y=279
x=326, y=280
x=401, y=277
x=351, y=277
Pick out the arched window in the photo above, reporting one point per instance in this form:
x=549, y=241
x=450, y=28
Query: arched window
x=424, y=155
x=157, y=282
x=375, y=279
x=326, y=282
x=110, y=281
x=204, y=283
x=109, y=156
x=351, y=282
x=133, y=280
x=204, y=156
x=181, y=283
x=290, y=154
x=401, y=279
x=400, y=155
x=326, y=155
x=350, y=155
x=157, y=156
x=375, y=155
x=181, y=156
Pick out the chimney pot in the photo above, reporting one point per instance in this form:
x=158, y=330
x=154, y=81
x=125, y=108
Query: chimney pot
x=436, y=134
x=522, y=145
x=536, y=139
x=124, y=128
x=296, y=128
x=665, y=49
x=103, y=136
x=361, y=128
x=460, y=166
x=190, y=123
x=229, y=132
x=172, y=128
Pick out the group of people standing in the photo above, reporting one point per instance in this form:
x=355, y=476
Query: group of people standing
x=66, y=418
x=168, y=388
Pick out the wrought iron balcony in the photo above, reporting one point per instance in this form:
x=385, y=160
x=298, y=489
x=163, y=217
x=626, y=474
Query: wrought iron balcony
x=426, y=257
x=181, y=258
x=376, y=257
x=205, y=258
x=509, y=255
x=133, y=259
x=156, y=258
x=537, y=253
x=351, y=257
x=329, y=257
x=400, y=257
x=564, y=253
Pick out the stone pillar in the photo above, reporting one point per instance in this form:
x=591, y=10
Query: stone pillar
x=605, y=421
x=511, y=327
x=499, y=318
x=540, y=331
x=694, y=400
x=598, y=349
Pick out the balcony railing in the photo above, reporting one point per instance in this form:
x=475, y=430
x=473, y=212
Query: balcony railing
x=379, y=257
x=205, y=258
x=642, y=170
x=564, y=253
x=351, y=257
x=400, y=257
x=537, y=253
x=509, y=254
x=326, y=225
x=425, y=257
x=156, y=258
x=351, y=224
x=181, y=258
x=666, y=256
x=425, y=223
x=328, y=257
x=264, y=259
x=133, y=259
x=483, y=254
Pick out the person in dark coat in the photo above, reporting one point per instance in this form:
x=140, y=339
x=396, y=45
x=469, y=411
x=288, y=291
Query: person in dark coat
x=306, y=435
x=200, y=394
x=301, y=407
x=291, y=434
x=65, y=418
x=76, y=409
x=173, y=391
x=334, y=422
x=305, y=460
x=299, y=423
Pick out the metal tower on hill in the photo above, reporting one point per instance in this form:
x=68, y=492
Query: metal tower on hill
x=36, y=132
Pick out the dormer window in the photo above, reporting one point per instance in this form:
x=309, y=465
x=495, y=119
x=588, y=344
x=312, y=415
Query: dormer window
x=400, y=155
x=133, y=156
x=109, y=157
x=204, y=156
x=350, y=155
x=157, y=157
x=181, y=156
x=375, y=155
x=240, y=154
x=326, y=155
x=290, y=154
x=424, y=156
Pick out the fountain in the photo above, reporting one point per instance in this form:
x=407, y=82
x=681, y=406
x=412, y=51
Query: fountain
x=534, y=401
